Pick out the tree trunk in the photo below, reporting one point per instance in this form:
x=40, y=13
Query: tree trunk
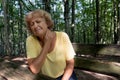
x=97, y=23
x=20, y=27
x=115, y=23
x=118, y=22
x=47, y=5
x=6, y=31
x=66, y=15
x=73, y=20
x=94, y=23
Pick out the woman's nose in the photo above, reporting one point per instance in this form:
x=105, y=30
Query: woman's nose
x=35, y=25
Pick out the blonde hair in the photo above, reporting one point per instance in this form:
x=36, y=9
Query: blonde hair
x=41, y=14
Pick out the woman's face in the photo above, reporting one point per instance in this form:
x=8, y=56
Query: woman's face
x=38, y=26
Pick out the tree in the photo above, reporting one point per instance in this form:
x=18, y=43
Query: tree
x=97, y=31
x=47, y=5
x=73, y=20
x=66, y=15
x=6, y=25
x=118, y=20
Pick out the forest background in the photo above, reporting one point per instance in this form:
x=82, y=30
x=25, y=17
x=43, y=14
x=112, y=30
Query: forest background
x=85, y=21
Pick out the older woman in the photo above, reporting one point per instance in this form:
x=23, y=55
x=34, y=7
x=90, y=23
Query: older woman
x=48, y=52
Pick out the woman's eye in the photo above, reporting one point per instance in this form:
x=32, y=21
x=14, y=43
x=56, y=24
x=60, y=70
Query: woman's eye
x=38, y=21
x=31, y=24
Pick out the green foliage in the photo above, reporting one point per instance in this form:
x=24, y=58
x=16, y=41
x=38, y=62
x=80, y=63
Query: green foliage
x=85, y=20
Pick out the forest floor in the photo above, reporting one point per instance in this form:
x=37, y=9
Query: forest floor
x=21, y=61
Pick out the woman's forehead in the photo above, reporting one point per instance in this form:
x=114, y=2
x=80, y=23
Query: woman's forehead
x=32, y=16
x=37, y=18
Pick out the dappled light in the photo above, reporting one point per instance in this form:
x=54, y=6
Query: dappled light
x=100, y=58
x=90, y=75
x=110, y=50
x=15, y=69
x=93, y=27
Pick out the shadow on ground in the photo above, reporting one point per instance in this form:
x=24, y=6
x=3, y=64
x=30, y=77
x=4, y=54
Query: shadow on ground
x=16, y=69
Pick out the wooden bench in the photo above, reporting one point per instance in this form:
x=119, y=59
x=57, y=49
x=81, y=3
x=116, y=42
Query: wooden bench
x=98, y=57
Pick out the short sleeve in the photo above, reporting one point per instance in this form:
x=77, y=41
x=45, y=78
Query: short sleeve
x=69, y=50
x=32, y=47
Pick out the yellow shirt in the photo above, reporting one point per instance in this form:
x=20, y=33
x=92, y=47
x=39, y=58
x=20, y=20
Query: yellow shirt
x=55, y=61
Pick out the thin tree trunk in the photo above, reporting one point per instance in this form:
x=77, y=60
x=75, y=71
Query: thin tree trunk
x=103, y=20
x=66, y=15
x=47, y=5
x=118, y=21
x=73, y=20
x=12, y=30
x=6, y=34
x=20, y=28
x=94, y=22
x=115, y=22
x=97, y=22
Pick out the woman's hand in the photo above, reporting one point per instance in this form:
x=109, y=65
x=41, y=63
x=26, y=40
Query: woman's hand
x=68, y=70
x=48, y=39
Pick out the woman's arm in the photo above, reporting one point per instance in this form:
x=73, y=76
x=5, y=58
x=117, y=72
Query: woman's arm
x=35, y=64
x=68, y=70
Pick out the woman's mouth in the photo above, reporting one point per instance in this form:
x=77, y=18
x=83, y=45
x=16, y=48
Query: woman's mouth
x=37, y=29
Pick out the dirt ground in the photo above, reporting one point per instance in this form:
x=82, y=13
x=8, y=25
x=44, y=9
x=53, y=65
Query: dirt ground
x=10, y=71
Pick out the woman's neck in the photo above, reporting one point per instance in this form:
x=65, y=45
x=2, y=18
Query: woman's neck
x=41, y=39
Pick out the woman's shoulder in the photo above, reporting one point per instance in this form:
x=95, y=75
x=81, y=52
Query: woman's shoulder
x=62, y=36
x=61, y=33
x=31, y=38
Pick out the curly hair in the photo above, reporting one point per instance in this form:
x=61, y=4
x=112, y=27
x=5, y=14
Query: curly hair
x=39, y=14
